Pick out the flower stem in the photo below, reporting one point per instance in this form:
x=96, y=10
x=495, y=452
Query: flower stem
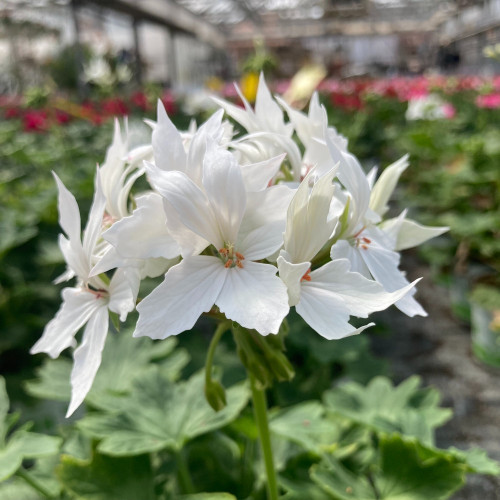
x=211, y=350
x=33, y=482
x=183, y=475
x=260, y=412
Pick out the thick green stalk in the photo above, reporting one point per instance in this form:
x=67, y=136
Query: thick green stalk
x=183, y=475
x=260, y=412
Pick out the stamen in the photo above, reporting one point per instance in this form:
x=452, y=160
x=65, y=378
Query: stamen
x=364, y=247
x=366, y=240
x=359, y=232
x=239, y=256
x=239, y=264
x=307, y=276
x=228, y=263
x=224, y=251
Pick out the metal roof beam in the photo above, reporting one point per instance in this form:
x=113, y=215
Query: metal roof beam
x=166, y=13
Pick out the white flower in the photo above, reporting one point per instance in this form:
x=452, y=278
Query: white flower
x=268, y=134
x=243, y=229
x=119, y=172
x=363, y=239
x=328, y=296
x=88, y=302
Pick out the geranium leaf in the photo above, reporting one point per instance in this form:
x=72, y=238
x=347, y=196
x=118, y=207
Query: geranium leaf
x=383, y=407
x=158, y=414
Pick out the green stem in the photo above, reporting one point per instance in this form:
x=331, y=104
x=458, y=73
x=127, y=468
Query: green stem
x=211, y=350
x=33, y=482
x=183, y=475
x=260, y=412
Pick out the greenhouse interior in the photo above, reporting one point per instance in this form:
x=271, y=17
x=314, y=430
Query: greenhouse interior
x=178, y=325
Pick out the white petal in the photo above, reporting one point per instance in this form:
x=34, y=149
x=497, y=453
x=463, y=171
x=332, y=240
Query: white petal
x=192, y=205
x=74, y=256
x=237, y=113
x=168, y=148
x=94, y=223
x=267, y=111
x=69, y=213
x=326, y=313
x=308, y=227
x=361, y=296
x=87, y=358
x=189, y=289
x=257, y=176
x=189, y=242
x=342, y=249
x=77, y=307
x=212, y=129
x=384, y=187
x=144, y=234
x=254, y=297
x=123, y=291
x=261, y=230
x=411, y=234
x=383, y=265
x=291, y=274
x=225, y=189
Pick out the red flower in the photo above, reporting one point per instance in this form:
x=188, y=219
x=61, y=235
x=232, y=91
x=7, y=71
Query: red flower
x=35, y=121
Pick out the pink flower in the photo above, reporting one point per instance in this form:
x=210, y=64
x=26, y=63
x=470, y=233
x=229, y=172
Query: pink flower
x=489, y=101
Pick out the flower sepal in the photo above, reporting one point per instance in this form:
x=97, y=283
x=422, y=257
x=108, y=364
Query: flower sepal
x=263, y=357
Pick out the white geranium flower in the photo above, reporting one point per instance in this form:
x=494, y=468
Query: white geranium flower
x=88, y=302
x=329, y=295
x=243, y=228
x=268, y=134
x=363, y=239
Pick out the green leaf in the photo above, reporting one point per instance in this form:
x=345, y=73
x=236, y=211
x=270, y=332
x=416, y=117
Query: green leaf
x=477, y=461
x=405, y=471
x=159, y=414
x=20, y=444
x=383, y=407
x=106, y=478
x=306, y=425
x=208, y=496
x=17, y=489
x=124, y=358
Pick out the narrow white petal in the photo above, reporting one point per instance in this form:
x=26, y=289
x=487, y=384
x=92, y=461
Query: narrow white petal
x=291, y=274
x=254, y=297
x=411, y=234
x=211, y=130
x=257, y=176
x=69, y=213
x=308, y=227
x=383, y=265
x=123, y=291
x=77, y=307
x=236, y=113
x=361, y=296
x=192, y=205
x=74, y=256
x=87, y=358
x=326, y=313
x=144, y=234
x=94, y=223
x=384, y=187
x=189, y=289
x=267, y=110
x=168, y=148
x=225, y=189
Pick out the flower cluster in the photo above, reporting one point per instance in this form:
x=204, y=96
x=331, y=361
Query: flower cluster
x=242, y=227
